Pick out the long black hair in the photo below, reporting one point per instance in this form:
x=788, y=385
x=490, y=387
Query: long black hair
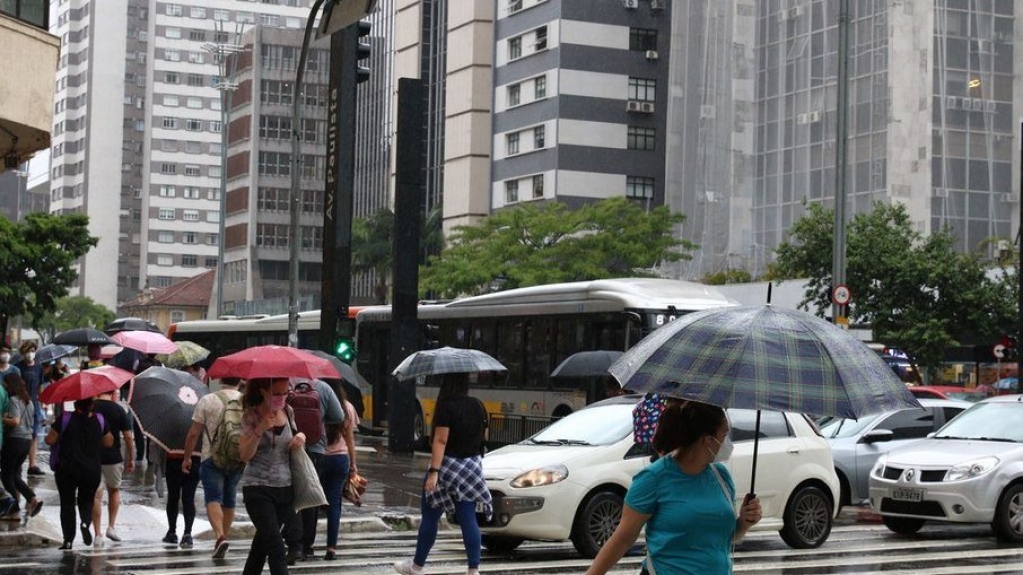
x=16, y=387
x=334, y=429
x=452, y=385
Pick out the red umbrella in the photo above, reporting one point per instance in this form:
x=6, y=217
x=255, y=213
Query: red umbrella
x=272, y=361
x=85, y=384
x=145, y=341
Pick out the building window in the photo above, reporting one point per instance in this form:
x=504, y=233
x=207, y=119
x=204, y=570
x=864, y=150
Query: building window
x=166, y=214
x=189, y=261
x=274, y=164
x=195, y=80
x=168, y=168
x=170, y=123
x=642, y=39
x=642, y=138
x=514, y=6
x=167, y=191
x=643, y=89
x=272, y=199
x=164, y=260
x=196, y=57
x=193, y=170
x=171, y=77
x=172, y=55
x=189, y=237
x=541, y=39
x=194, y=102
x=515, y=48
x=540, y=88
x=197, y=12
x=539, y=137
x=272, y=235
x=193, y=125
x=221, y=15
x=639, y=187
x=197, y=35
x=190, y=215
x=212, y=239
x=216, y=127
x=537, y=186
x=165, y=237
x=155, y=281
x=170, y=101
x=511, y=191
x=274, y=128
x=210, y=262
x=512, y=143
x=312, y=237
x=174, y=9
x=190, y=193
x=514, y=91
x=172, y=32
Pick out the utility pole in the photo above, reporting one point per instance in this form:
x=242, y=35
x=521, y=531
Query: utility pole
x=841, y=136
x=1019, y=263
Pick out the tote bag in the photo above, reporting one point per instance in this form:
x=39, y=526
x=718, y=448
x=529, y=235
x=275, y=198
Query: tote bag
x=305, y=482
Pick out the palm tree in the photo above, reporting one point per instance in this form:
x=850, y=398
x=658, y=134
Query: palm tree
x=373, y=242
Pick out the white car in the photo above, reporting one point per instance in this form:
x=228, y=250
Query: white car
x=970, y=471
x=569, y=481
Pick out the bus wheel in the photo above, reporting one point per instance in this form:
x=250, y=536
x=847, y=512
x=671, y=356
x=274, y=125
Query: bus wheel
x=419, y=439
x=561, y=411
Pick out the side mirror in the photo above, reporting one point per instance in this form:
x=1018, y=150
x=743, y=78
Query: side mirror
x=877, y=436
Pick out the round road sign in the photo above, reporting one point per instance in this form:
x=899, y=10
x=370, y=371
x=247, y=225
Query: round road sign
x=841, y=295
x=998, y=351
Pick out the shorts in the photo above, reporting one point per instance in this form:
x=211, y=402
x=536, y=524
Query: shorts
x=219, y=486
x=112, y=475
x=40, y=420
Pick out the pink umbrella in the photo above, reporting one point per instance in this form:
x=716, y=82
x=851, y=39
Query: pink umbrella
x=145, y=341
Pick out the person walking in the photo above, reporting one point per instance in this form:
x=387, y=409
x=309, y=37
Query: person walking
x=79, y=467
x=32, y=373
x=219, y=486
x=18, y=422
x=686, y=499
x=119, y=423
x=181, y=488
x=7, y=500
x=268, y=437
x=338, y=463
x=454, y=482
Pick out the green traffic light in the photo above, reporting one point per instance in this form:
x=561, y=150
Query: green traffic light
x=345, y=350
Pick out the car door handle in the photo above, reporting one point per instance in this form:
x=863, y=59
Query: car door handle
x=793, y=451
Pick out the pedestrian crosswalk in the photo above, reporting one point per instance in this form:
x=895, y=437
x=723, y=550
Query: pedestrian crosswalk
x=856, y=549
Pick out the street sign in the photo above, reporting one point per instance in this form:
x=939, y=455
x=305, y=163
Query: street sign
x=998, y=351
x=842, y=321
x=841, y=295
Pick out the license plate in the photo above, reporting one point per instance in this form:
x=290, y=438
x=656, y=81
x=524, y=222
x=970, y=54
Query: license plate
x=908, y=494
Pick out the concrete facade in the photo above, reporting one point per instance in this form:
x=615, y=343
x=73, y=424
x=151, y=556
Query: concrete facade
x=30, y=57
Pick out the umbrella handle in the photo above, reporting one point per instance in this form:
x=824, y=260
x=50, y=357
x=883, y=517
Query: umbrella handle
x=756, y=451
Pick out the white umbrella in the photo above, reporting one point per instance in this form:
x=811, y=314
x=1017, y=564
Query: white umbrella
x=446, y=360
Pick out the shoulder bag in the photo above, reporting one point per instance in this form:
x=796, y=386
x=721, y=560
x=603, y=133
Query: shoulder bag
x=305, y=482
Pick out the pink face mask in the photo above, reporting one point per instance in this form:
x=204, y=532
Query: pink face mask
x=277, y=402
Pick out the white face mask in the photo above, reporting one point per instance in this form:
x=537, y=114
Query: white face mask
x=5, y=357
x=30, y=356
x=725, y=451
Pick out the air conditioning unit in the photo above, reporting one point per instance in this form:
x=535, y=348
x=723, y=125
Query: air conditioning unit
x=940, y=192
x=802, y=118
x=813, y=117
x=646, y=107
x=795, y=11
x=951, y=102
x=978, y=105
x=657, y=4
x=652, y=55
x=630, y=4
x=989, y=106
x=632, y=106
x=1008, y=198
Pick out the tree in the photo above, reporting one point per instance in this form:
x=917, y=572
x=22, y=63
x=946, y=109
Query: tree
x=71, y=312
x=535, y=244
x=37, y=259
x=373, y=242
x=916, y=293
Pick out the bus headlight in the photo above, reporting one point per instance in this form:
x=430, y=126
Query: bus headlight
x=541, y=476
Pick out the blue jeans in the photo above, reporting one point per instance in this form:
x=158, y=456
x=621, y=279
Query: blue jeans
x=334, y=475
x=465, y=511
x=219, y=486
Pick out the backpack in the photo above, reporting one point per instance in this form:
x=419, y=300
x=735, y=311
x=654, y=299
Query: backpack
x=65, y=418
x=645, y=416
x=305, y=403
x=224, y=443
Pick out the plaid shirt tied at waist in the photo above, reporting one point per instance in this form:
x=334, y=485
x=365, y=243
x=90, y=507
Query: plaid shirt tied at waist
x=461, y=479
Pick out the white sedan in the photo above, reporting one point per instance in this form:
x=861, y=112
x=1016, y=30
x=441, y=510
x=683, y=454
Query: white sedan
x=569, y=481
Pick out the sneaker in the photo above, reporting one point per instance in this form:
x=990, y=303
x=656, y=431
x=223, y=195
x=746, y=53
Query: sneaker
x=330, y=555
x=13, y=514
x=34, y=471
x=66, y=546
x=186, y=541
x=112, y=535
x=34, y=506
x=170, y=538
x=293, y=556
x=407, y=567
x=220, y=549
x=86, y=534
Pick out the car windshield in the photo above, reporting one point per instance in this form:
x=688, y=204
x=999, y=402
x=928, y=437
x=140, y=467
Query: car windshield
x=599, y=425
x=840, y=427
x=973, y=396
x=989, y=421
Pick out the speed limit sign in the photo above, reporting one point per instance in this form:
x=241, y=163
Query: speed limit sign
x=841, y=295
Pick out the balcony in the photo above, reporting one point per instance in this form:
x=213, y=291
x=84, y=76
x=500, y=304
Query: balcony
x=27, y=74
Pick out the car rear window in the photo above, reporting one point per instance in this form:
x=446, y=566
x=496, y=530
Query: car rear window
x=743, y=422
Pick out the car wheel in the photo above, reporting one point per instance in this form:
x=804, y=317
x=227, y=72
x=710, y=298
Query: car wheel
x=902, y=525
x=807, y=518
x=1008, y=523
x=595, y=522
x=419, y=439
x=501, y=544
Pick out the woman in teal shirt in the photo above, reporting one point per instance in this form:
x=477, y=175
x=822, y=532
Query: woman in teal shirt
x=686, y=501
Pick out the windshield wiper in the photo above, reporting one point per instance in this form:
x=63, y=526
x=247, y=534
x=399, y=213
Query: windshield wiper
x=546, y=442
x=1001, y=439
x=951, y=437
x=574, y=442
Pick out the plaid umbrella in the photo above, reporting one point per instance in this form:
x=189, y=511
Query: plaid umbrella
x=163, y=401
x=446, y=360
x=188, y=353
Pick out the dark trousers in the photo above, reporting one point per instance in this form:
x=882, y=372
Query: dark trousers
x=300, y=531
x=76, y=486
x=12, y=456
x=268, y=508
x=181, y=489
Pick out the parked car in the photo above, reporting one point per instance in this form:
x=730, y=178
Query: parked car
x=949, y=392
x=970, y=471
x=568, y=482
x=856, y=444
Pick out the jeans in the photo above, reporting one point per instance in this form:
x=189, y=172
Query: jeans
x=181, y=488
x=333, y=476
x=218, y=486
x=12, y=456
x=465, y=511
x=76, y=486
x=268, y=509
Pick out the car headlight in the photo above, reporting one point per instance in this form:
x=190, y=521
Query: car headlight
x=548, y=475
x=971, y=469
x=879, y=465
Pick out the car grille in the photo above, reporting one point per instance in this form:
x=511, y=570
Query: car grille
x=891, y=472
x=932, y=475
x=925, y=508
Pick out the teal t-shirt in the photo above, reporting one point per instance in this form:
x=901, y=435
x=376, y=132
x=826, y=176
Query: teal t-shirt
x=691, y=520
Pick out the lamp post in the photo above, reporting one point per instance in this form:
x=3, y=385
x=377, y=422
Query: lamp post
x=841, y=132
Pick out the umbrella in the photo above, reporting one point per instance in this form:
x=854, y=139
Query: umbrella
x=82, y=336
x=131, y=324
x=109, y=351
x=145, y=341
x=163, y=401
x=587, y=364
x=53, y=351
x=188, y=353
x=272, y=361
x=354, y=384
x=446, y=360
x=85, y=384
x=763, y=357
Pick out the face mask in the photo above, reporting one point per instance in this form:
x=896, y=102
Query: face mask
x=30, y=356
x=725, y=451
x=5, y=357
x=277, y=402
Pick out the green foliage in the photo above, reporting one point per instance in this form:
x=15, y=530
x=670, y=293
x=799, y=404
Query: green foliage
x=373, y=242
x=37, y=262
x=71, y=312
x=541, y=243
x=728, y=276
x=917, y=293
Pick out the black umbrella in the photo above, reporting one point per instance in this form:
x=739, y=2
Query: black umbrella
x=82, y=336
x=163, y=401
x=587, y=364
x=353, y=383
x=131, y=324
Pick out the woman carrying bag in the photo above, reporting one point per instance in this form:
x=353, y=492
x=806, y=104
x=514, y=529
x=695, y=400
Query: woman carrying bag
x=266, y=446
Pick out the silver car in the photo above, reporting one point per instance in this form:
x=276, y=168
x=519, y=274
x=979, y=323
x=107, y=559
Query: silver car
x=856, y=444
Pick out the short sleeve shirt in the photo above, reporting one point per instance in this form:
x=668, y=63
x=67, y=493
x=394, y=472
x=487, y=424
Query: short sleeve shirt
x=118, y=421
x=467, y=420
x=207, y=413
x=332, y=411
x=691, y=519
x=33, y=376
x=340, y=447
x=271, y=465
x=26, y=417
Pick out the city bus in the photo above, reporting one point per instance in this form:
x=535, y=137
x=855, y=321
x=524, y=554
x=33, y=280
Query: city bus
x=530, y=330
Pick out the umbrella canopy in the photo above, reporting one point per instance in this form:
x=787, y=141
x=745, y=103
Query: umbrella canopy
x=353, y=383
x=82, y=336
x=272, y=361
x=85, y=384
x=163, y=401
x=446, y=360
x=188, y=353
x=763, y=357
x=130, y=324
x=145, y=341
x=53, y=351
x=587, y=364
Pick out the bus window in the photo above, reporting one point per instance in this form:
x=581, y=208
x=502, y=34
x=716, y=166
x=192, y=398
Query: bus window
x=510, y=351
x=540, y=342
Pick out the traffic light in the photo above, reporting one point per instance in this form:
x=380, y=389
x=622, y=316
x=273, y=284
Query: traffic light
x=362, y=50
x=1011, y=350
x=344, y=344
